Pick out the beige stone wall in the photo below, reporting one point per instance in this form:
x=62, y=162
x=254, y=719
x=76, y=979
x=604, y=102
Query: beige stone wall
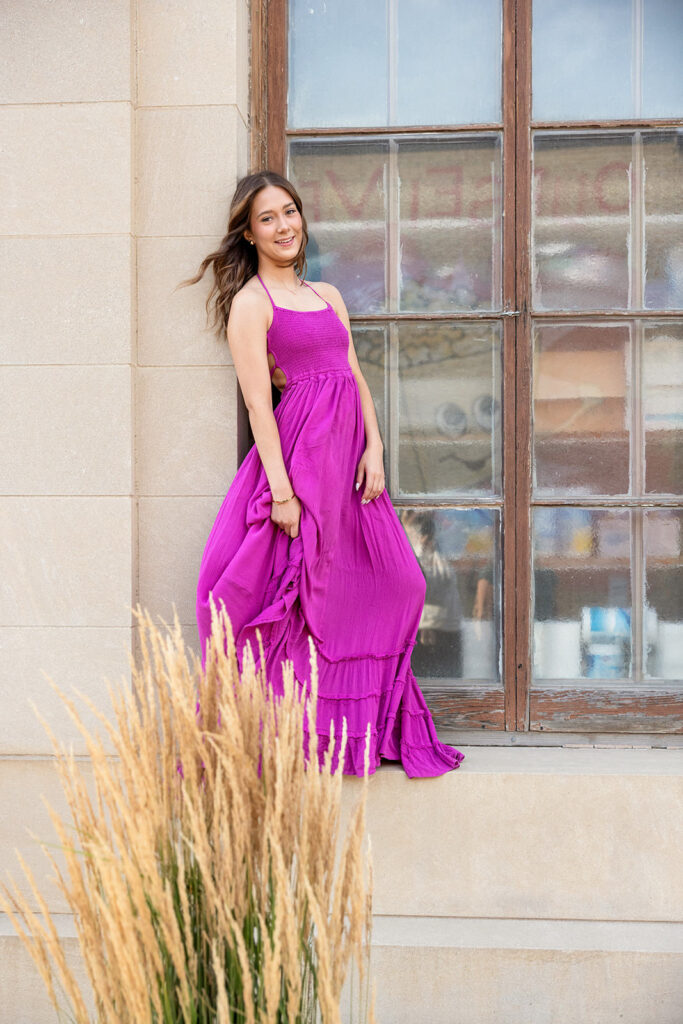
x=124, y=128
x=191, y=145
x=123, y=131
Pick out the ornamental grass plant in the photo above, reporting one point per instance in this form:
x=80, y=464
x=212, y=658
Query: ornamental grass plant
x=205, y=863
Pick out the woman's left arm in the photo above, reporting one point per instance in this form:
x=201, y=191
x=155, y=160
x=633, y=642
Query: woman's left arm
x=371, y=465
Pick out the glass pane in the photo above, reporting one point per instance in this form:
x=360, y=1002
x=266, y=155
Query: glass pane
x=459, y=634
x=587, y=64
x=449, y=62
x=581, y=387
x=581, y=60
x=581, y=222
x=450, y=210
x=439, y=64
x=664, y=218
x=663, y=407
x=343, y=189
x=449, y=409
x=664, y=593
x=582, y=593
x=338, y=63
x=370, y=344
x=662, y=78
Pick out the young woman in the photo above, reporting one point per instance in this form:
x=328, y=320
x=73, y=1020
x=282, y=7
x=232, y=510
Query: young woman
x=307, y=541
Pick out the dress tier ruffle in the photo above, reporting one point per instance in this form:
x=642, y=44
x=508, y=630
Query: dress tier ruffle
x=350, y=579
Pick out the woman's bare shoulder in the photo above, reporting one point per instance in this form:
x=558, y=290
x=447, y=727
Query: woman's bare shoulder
x=250, y=293
x=248, y=301
x=330, y=292
x=248, y=311
x=325, y=286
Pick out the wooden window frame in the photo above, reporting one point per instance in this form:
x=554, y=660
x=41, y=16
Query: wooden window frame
x=517, y=706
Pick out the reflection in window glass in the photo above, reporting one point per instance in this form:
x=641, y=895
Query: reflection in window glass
x=581, y=383
x=663, y=529
x=587, y=61
x=459, y=634
x=450, y=210
x=449, y=62
x=663, y=170
x=343, y=189
x=447, y=240
x=449, y=409
x=582, y=593
x=370, y=344
x=585, y=254
x=581, y=221
x=663, y=407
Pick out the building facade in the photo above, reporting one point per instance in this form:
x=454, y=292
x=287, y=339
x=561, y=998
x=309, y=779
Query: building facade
x=496, y=190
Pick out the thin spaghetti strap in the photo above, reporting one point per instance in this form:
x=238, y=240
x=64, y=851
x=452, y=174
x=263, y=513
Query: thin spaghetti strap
x=317, y=293
x=267, y=292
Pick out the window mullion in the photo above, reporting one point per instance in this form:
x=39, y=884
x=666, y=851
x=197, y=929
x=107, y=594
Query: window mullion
x=637, y=21
x=517, y=532
x=392, y=269
x=637, y=489
x=392, y=60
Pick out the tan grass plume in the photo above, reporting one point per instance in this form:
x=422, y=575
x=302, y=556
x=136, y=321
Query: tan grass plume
x=204, y=863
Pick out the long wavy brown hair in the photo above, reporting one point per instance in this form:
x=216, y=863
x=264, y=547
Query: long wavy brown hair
x=235, y=261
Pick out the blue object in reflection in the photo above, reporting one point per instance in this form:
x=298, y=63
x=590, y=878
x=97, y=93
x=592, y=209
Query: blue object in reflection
x=606, y=639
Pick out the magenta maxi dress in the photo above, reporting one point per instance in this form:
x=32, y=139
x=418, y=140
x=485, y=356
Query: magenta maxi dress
x=350, y=579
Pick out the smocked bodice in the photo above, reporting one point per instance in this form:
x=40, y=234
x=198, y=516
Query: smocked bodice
x=307, y=342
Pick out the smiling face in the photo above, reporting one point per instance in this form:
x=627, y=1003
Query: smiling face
x=275, y=226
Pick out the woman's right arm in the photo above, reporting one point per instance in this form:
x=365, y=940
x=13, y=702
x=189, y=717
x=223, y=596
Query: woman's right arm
x=246, y=333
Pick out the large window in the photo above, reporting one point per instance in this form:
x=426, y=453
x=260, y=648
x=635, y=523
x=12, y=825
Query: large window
x=496, y=192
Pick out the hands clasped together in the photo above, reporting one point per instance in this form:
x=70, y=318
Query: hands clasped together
x=287, y=514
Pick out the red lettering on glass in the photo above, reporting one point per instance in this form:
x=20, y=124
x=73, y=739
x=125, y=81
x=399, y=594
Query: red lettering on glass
x=480, y=209
x=355, y=210
x=601, y=182
x=456, y=191
x=311, y=189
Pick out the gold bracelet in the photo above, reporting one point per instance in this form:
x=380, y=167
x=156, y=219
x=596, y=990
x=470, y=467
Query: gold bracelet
x=283, y=500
